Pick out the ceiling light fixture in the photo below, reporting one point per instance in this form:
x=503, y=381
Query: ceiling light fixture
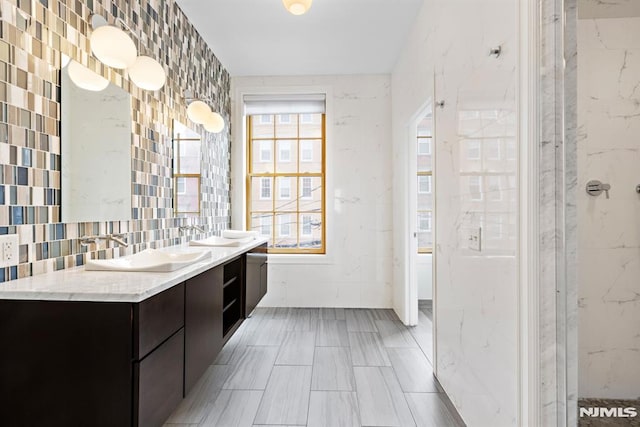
x=85, y=78
x=200, y=112
x=115, y=48
x=111, y=45
x=297, y=7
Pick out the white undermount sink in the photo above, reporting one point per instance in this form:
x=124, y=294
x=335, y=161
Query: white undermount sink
x=151, y=260
x=220, y=241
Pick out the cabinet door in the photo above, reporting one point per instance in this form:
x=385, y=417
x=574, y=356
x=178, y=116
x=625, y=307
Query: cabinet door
x=255, y=288
x=203, y=323
x=159, y=382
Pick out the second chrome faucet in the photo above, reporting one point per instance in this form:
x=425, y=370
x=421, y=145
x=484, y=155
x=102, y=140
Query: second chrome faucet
x=119, y=238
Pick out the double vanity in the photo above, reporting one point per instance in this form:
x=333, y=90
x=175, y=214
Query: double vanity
x=121, y=347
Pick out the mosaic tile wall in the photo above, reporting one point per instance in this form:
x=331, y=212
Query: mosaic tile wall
x=33, y=34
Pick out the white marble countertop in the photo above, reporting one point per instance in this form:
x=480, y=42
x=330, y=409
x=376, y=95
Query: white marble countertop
x=77, y=284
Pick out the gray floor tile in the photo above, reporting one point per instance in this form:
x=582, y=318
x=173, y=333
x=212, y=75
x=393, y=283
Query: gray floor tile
x=395, y=334
x=297, y=349
x=252, y=370
x=429, y=410
x=197, y=403
x=367, y=349
x=374, y=398
x=360, y=320
x=413, y=370
x=398, y=397
x=270, y=332
x=423, y=334
x=226, y=354
x=286, y=398
x=332, y=333
x=333, y=409
x=332, y=369
x=332, y=314
x=303, y=319
x=383, y=314
x=233, y=408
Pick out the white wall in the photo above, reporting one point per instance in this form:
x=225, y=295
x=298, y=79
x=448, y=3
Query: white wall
x=412, y=90
x=356, y=272
x=425, y=276
x=609, y=229
x=475, y=292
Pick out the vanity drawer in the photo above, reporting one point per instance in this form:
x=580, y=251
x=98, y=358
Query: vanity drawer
x=156, y=319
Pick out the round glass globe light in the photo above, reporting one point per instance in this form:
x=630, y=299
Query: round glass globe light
x=198, y=111
x=113, y=47
x=214, y=123
x=86, y=79
x=147, y=73
x=297, y=7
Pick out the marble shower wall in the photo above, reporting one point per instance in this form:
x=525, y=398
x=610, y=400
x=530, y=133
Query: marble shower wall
x=32, y=36
x=609, y=229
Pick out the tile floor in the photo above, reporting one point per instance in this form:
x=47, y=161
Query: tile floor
x=321, y=367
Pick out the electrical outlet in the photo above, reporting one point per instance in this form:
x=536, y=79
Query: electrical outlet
x=9, y=250
x=475, y=239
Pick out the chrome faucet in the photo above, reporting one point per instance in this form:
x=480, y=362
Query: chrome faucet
x=192, y=227
x=119, y=238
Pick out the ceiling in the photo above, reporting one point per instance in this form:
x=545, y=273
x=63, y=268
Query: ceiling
x=260, y=38
x=589, y=9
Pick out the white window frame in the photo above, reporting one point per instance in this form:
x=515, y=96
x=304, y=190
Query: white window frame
x=266, y=147
x=306, y=146
x=304, y=180
x=469, y=150
x=428, y=180
x=182, y=180
x=282, y=149
x=282, y=180
x=476, y=197
x=264, y=184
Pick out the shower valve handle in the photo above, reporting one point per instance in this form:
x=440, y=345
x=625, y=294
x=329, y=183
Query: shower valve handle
x=595, y=188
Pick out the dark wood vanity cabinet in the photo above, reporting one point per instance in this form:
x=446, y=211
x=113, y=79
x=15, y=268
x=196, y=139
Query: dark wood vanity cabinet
x=256, y=277
x=203, y=323
x=73, y=363
x=67, y=363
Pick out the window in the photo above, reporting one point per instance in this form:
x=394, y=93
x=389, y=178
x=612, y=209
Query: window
x=265, y=188
x=306, y=151
x=424, y=184
x=306, y=226
x=494, y=190
x=285, y=225
x=511, y=149
x=284, y=151
x=424, y=222
x=265, y=151
x=265, y=119
x=285, y=118
x=306, y=188
x=181, y=185
x=424, y=195
x=285, y=188
x=493, y=149
x=475, y=187
x=295, y=212
x=265, y=225
x=473, y=150
x=186, y=171
x=424, y=146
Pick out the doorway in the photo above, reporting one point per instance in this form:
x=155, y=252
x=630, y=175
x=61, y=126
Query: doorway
x=422, y=223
